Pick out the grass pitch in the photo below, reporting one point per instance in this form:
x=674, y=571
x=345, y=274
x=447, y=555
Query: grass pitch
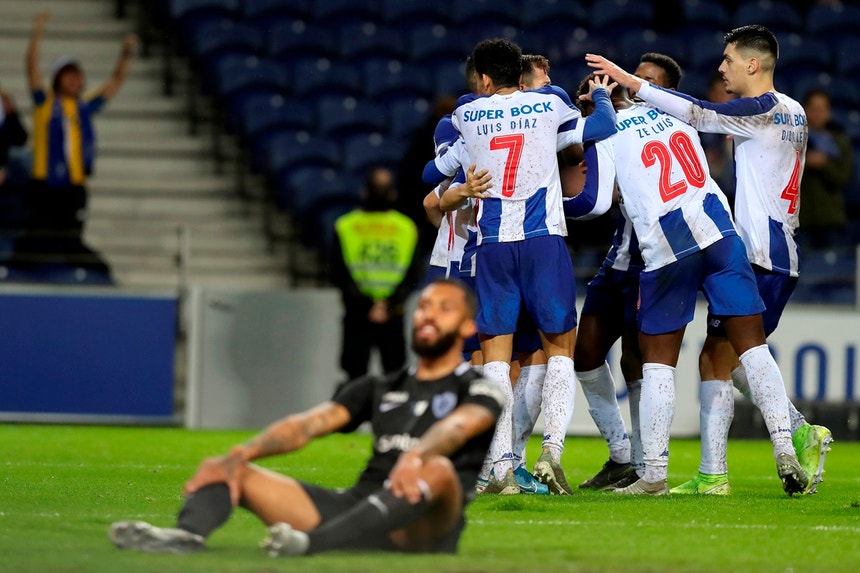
x=62, y=486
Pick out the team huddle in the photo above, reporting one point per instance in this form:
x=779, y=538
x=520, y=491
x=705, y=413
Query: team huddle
x=444, y=432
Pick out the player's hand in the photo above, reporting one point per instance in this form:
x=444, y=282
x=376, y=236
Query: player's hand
x=129, y=44
x=604, y=67
x=404, y=477
x=40, y=20
x=379, y=312
x=224, y=469
x=477, y=184
x=598, y=82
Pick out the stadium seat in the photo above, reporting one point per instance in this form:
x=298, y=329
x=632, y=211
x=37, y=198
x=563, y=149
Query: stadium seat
x=449, y=78
x=702, y=15
x=832, y=19
x=637, y=42
x=617, y=16
x=482, y=11
x=341, y=116
x=312, y=77
x=407, y=116
x=182, y=11
x=779, y=17
x=290, y=39
x=434, y=43
x=235, y=74
x=843, y=92
x=538, y=13
x=410, y=12
x=260, y=11
x=847, y=56
x=212, y=38
x=320, y=234
x=705, y=53
x=470, y=33
x=388, y=80
x=365, y=40
x=363, y=151
x=301, y=189
x=265, y=111
x=799, y=56
x=290, y=149
x=334, y=12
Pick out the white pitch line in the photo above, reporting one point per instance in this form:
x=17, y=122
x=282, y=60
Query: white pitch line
x=758, y=526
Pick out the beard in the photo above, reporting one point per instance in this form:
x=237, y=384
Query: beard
x=435, y=349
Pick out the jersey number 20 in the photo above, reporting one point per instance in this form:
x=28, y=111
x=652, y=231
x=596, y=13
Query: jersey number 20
x=682, y=148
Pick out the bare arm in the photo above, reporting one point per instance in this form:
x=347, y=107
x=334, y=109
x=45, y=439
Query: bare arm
x=476, y=186
x=286, y=435
x=112, y=85
x=431, y=207
x=34, y=78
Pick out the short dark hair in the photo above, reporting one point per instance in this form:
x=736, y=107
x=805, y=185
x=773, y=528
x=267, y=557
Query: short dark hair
x=669, y=66
x=754, y=37
x=530, y=62
x=471, y=75
x=468, y=293
x=587, y=106
x=499, y=59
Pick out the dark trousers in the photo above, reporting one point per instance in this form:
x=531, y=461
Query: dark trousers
x=360, y=336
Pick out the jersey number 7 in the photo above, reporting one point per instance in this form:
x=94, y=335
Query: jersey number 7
x=514, y=144
x=682, y=148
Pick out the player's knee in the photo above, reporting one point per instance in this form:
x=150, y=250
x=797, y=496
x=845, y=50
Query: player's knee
x=440, y=475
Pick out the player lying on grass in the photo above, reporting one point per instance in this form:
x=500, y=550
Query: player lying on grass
x=432, y=425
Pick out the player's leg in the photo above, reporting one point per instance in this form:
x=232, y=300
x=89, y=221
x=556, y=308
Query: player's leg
x=270, y=496
x=499, y=305
x=631, y=369
x=528, y=391
x=549, y=292
x=732, y=294
x=385, y=521
x=598, y=329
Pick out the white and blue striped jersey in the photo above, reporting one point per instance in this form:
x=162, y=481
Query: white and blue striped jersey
x=443, y=136
x=769, y=134
x=516, y=137
x=662, y=174
x=624, y=254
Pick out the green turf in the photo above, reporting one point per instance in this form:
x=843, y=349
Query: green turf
x=61, y=487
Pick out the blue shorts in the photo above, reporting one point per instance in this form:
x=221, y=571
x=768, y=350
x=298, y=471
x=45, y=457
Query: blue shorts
x=537, y=272
x=527, y=337
x=722, y=272
x=433, y=273
x=471, y=344
x=614, y=295
x=775, y=289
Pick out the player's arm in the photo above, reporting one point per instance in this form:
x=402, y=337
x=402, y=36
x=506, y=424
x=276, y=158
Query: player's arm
x=286, y=435
x=431, y=205
x=446, y=164
x=475, y=186
x=595, y=199
x=599, y=125
x=120, y=72
x=34, y=78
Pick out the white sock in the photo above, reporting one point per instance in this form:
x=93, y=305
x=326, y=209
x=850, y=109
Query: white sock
x=716, y=410
x=599, y=389
x=527, y=400
x=501, y=448
x=768, y=392
x=739, y=377
x=559, y=392
x=634, y=391
x=656, y=410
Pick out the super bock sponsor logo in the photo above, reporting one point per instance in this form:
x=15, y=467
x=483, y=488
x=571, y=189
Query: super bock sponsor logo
x=443, y=404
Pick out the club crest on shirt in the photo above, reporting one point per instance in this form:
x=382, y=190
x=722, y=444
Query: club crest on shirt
x=443, y=404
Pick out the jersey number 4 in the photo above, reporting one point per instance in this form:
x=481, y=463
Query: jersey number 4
x=514, y=146
x=682, y=148
x=791, y=193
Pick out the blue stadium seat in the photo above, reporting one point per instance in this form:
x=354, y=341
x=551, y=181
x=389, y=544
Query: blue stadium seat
x=181, y=10
x=702, y=15
x=779, y=17
x=213, y=37
x=449, y=78
x=799, y=56
x=705, y=53
x=852, y=193
x=316, y=76
x=847, y=56
x=407, y=116
x=637, y=42
x=290, y=149
x=843, y=92
x=468, y=34
x=235, y=74
x=363, y=40
x=830, y=273
x=411, y=12
x=361, y=152
x=828, y=20
x=434, y=43
x=289, y=39
x=304, y=188
x=388, y=80
x=538, y=13
x=620, y=15
x=482, y=11
x=333, y=12
x=321, y=234
x=260, y=11
x=265, y=111
x=340, y=116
